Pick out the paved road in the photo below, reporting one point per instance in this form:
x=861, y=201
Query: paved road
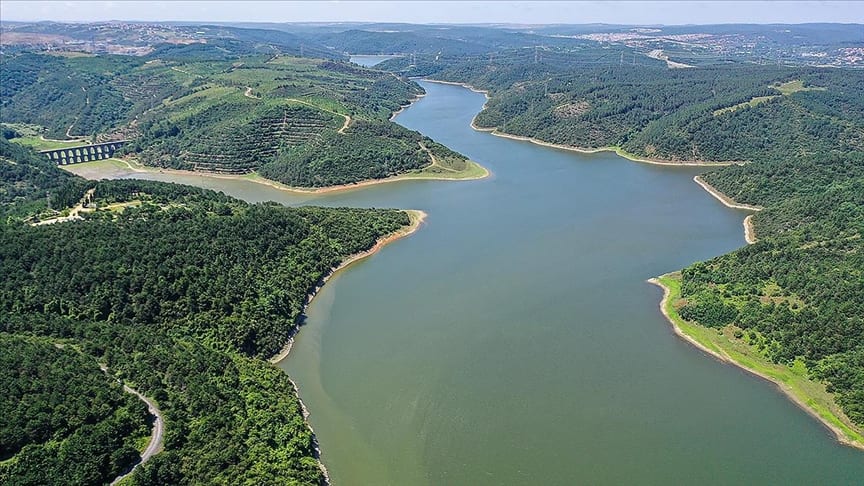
x=156, y=438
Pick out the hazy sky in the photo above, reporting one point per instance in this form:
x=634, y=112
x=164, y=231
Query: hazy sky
x=624, y=12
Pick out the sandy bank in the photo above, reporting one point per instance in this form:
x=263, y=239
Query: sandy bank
x=347, y=187
x=254, y=177
x=749, y=230
x=728, y=201
x=802, y=400
x=403, y=107
x=618, y=151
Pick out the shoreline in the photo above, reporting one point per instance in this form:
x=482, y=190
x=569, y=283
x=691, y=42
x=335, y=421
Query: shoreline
x=728, y=201
x=749, y=230
x=254, y=177
x=258, y=179
x=582, y=150
x=617, y=150
x=721, y=355
x=749, y=227
x=416, y=217
x=403, y=107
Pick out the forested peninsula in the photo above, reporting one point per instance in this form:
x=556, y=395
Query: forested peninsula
x=184, y=293
x=227, y=109
x=180, y=292
x=792, y=142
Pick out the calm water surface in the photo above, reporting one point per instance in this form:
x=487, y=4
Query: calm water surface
x=369, y=60
x=513, y=339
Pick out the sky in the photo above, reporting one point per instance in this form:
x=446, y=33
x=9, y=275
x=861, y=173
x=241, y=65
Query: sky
x=539, y=12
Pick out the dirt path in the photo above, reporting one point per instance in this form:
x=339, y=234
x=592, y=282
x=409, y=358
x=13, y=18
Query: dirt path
x=73, y=214
x=434, y=159
x=347, y=117
x=248, y=93
x=69, y=135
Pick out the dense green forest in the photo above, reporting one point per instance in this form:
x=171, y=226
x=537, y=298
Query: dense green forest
x=590, y=99
x=367, y=150
x=62, y=418
x=798, y=293
x=181, y=292
x=220, y=107
x=30, y=183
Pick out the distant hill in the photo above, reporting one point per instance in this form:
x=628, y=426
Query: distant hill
x=227, y=106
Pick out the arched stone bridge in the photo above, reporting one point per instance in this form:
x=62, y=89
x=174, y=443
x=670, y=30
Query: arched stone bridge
x=83, y=153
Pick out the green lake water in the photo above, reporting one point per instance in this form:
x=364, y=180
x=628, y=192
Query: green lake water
x=513, y=338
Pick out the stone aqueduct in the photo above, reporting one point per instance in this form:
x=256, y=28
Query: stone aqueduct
x=83, y=153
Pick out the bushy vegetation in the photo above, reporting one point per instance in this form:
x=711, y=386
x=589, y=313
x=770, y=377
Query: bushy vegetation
x=29, y=183
x=587, y=99
x=368, y=150
x=182, y=292
x=205, y=107
x=71, y=96
x=798, y=293
x=62, y=420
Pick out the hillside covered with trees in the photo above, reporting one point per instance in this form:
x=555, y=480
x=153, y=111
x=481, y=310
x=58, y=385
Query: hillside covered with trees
x=593, y=98
x=62, y=418
x=797, y=137
x=223, y=107
x=181, y=292
x=798, y=292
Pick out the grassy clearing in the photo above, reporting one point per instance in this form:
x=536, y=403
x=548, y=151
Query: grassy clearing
x=40, y=144
x=472, y=170
x=754, y=102
x=785, y=89
x=795, y=86
x=792, y=380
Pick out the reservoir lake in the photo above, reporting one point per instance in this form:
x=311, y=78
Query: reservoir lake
x=513, y=338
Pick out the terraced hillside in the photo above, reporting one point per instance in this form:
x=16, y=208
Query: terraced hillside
x=233, y=114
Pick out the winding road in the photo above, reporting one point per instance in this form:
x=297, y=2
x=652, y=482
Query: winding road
x=156, y=437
